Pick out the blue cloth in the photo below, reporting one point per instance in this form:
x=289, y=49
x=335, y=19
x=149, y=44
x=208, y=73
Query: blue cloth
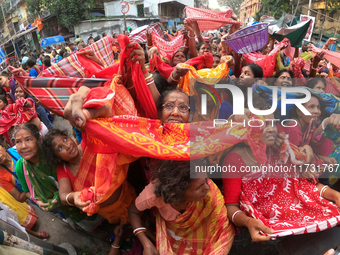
x=328, y=101
x=78, y=134
x=286, y=61
x=43, y=116
x=33, y=73
x=15, y=157
x=58, y=58
x=52, y=40
x=224, y=112
x=231, y=72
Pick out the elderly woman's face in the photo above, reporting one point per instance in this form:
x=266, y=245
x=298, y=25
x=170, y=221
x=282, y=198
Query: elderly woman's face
x=176, y=108
x=197, y=190
x=320, y=86
x=204, y=48
x=27, y=145
x=313, y=106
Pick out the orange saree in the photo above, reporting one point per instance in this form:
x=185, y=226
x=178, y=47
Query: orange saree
x=203, y=228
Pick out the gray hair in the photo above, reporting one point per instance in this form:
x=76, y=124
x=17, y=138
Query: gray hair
x=33, y=129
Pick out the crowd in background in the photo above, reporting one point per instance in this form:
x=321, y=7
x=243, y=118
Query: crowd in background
x=116, y=181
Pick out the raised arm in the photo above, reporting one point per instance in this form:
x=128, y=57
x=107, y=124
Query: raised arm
x=191, y=37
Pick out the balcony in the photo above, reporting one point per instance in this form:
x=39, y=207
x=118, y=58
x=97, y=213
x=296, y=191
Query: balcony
x=11, y=4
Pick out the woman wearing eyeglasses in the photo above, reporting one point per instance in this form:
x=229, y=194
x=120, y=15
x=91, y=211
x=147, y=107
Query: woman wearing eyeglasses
x=173, y=107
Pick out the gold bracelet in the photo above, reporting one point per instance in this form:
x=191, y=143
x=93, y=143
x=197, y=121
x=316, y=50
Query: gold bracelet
x=67, y=199
x=323, y=191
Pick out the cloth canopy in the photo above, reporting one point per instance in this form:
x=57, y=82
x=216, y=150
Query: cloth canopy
x=209, y=19
x=52, y=40
x=56, y=84
x=331, y=56
x=139, y=34
x=294, y=33
x=167, y=49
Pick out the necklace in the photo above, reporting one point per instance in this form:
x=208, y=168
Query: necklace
x=76, y=166
x=245, y=148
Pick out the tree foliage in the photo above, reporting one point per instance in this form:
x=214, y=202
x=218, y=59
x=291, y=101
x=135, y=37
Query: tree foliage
x=332, y=5
x=34, y=7
x=68, y=12
x=233, y=4
x=273, y=8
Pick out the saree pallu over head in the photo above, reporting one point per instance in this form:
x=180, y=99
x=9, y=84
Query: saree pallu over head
x=173, y=141
x=203, y=228
x=210, y=20
x=267, y=62
x=167, y=48
x=204, y=61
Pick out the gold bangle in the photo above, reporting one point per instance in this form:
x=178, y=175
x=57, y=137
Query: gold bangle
x=323, y=192
x=67, y=199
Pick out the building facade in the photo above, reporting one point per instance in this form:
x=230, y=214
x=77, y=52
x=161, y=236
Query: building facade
x=169, y=13
x=327, y=24
x=247, y=10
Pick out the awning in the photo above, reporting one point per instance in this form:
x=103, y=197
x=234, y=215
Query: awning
x=52, y=40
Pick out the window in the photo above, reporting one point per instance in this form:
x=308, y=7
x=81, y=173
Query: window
x=330, y=16
x=140, y=10
x=321, y=14
x=313, y=13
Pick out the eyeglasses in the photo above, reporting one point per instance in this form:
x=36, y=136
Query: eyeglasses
x=183, y=108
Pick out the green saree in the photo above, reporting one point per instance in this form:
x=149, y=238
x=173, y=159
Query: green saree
x=41, y=182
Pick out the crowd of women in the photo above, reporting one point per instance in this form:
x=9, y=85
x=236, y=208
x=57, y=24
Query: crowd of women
x=145, y=134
